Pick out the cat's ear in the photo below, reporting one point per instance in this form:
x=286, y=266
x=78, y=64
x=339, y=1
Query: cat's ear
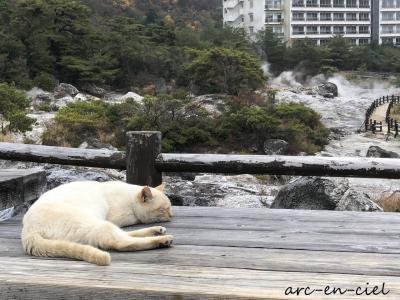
x=161, y=187
x=146, y=194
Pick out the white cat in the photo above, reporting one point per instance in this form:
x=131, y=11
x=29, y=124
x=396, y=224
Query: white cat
x=75, y=219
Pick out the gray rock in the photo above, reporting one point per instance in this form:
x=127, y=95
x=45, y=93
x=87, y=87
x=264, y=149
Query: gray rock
x=311, y=193
x=213, y=103
x=356, y=201
x=375, y=151
x=328, y=90
x=94, y=90
x=275, y=146
x=93, y=143
x=43, y=98
x=65, y=89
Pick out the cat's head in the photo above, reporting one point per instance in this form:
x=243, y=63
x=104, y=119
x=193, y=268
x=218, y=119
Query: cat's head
x=153, y=205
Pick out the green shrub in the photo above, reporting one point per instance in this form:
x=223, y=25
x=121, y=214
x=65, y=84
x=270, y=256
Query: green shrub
x=45, y=81
x=13, y=104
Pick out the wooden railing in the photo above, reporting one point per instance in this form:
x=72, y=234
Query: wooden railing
x=145, y=163
x=392, y=123
x=374, y=125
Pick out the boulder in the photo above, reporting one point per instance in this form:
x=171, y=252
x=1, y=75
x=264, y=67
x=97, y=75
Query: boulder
x=375, y=151
x=131, y=95
x=94, y=90
x=328, y=90
x=65, y=89
x=275, y=146
x=42, y=99
x=214, y=104
x=93, y=143
x=311, y=193
x=356, y=201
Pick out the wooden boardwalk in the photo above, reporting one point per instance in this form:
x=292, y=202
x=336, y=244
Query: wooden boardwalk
x=379, y=115
x=224, y=254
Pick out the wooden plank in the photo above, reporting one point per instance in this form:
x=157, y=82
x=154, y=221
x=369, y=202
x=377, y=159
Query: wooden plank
x=280, y=165
x=64, y=156
x=18, y=187
x=138, y=281
x=373, y=264
x=209, y=163
x=314, y=216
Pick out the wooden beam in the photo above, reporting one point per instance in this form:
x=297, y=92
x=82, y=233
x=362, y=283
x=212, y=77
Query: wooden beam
x=280, y=165
x=142, y=149
x=64, y=156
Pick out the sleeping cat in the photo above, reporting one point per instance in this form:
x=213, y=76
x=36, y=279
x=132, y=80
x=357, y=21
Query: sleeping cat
x=75, y=219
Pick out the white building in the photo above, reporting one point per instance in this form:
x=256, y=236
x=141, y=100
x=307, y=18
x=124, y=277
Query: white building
x=359, y=21
x=389, y=22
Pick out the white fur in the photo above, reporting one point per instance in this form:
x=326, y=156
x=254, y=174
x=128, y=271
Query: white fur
x=75, y=219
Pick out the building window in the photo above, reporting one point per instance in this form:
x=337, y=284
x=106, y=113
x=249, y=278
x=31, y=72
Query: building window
x=312, y=16
x=298, y=16
x=298, y=3
x=312, y=3
x=397, y=41
x=276, y=4
x=351, y=3
x=352, y=41
x=251, y=16
x=338, y=29
x=364, y=3
x=323, y=42
x=298, y=29
x=325, y=3
x=251, y=3
x=325, y=16
x=363, y=29
x=388, y=4
x=351, y=17
x=388, y=29
x=387, y=41
x=251, y=30
x=325, y=30
x=312, y=30
x=363, y=41
x=338, y=16
x=338, y=3
x=364, y=16
x=388, y=16
x=351, y=29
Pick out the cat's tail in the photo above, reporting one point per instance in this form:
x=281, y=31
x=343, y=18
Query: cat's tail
x=36, y=245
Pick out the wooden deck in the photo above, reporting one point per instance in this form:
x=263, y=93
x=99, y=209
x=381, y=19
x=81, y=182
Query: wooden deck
x=20, y=186
x=224, y=254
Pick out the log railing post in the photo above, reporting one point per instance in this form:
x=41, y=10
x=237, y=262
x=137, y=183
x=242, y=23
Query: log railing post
x=142, y=149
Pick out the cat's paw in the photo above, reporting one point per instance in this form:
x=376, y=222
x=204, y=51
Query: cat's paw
x=166, y=241
x=158, y=230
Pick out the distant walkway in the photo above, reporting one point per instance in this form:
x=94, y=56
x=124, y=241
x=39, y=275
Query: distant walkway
x=379, y=115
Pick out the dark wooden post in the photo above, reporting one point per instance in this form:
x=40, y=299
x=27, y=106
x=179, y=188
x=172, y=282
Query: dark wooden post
x=381, y=127
x=374, y=127
x=142, y=149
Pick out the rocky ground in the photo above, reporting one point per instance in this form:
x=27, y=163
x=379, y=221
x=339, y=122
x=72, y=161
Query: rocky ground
x=340, y=103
